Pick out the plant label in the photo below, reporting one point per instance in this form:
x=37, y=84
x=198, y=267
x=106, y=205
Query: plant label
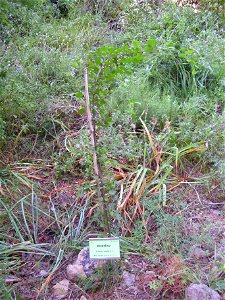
x=104, y=248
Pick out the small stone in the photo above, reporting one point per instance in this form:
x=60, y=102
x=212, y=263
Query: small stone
x=201, y=292
x=82, y=256
x=128, y=278
x=43, y=273
x=197, y=253
x=60, y=290
x=74, y=271
x=84, y=266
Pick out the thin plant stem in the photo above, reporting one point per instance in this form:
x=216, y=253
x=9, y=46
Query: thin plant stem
x=97, y=165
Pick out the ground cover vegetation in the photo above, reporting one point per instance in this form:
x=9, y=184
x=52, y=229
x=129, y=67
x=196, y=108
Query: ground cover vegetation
x=156, y=79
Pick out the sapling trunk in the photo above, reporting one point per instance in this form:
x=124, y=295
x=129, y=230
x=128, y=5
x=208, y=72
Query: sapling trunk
x=96, y=162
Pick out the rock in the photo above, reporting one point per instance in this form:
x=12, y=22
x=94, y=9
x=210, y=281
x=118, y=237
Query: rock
x=128, y=278
x=83, y=298
x=201, y=292
x=84, y=266
x=197, y=253
x=60, y=290
x=43, y=273
x=74, y=271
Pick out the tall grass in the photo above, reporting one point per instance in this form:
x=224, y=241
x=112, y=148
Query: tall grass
x=37, y=66
x=24, y=222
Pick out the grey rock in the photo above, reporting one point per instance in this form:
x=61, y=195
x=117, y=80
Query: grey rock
x=201, y=292
x=84, y=266
x=43, y=273
x=128, y=278
x=60, y=290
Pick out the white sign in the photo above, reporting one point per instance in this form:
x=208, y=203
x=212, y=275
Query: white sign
x=104, y=248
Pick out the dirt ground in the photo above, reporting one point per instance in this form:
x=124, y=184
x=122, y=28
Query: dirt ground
x=167, y=278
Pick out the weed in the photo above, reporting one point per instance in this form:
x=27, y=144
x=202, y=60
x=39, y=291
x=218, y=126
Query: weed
x=102, y=279
x=170, y=234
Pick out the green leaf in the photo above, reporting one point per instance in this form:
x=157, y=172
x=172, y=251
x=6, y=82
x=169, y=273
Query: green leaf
x=102, y=102
x=79, y=95
x=108, y=119
x=75, y=64
x=136, y=44
x=81, y=111
x=122, y=49
x=151, y=45
x=182, y=55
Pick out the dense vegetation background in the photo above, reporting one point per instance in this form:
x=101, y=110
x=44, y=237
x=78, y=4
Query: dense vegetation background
x=156, y=60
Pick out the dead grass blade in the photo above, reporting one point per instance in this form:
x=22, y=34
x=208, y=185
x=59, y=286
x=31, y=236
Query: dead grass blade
x=155, y=175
